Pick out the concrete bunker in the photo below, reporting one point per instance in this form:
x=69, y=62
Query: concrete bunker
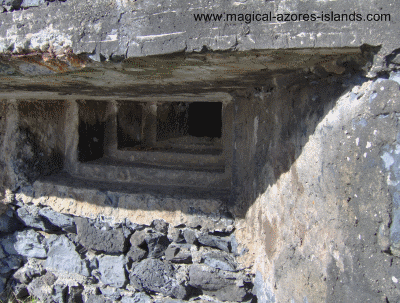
x=187, y=166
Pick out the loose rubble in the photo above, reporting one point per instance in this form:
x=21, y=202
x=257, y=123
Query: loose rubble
x=61, y=258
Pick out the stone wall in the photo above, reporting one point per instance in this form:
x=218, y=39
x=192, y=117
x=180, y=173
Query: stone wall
x=62, y=258
x=324, y=228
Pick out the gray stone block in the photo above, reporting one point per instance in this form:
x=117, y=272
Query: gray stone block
x=107, y=241
x=215, y=241
x=153, y=275
x=112, y=293
x=136, y=254
x=112, y=270
x=27, y=243
x=63, y=256
x=179, y=253
x=62, y=221
x=220, y=260
x=156, y=242
x=225, y=286
x=160, y=226
x=29, y=215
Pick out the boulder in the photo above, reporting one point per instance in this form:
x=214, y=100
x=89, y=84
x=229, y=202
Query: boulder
x=3, y=282
x=215, y=241
x=160, y=226
x=107, y=241
x=27, y=243
x=29, y=215
x=112, y=270
x=63, y=256
x=179, y=253
x=136, y=254
x=155, y=242
x=224, y=285
x=219, y=260
x=153, y=275
x=62, y=221
x=175, y=235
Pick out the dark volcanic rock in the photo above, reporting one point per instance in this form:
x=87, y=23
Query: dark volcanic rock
x=152, y=275
x=8, y=264
x=219, y=260
x=107, y=241
x=75, y=294
x=29, y=215
x=8, y=223
x=215, y=241
x=64, y=257
x=160, y=226
x=155, y=242
x=62, y=221
x=179, y=253
x=136, y=254
x=226, y=286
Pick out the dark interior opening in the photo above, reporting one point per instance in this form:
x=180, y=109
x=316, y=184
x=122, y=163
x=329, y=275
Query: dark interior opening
x=172, y=120
x=129, y=124
x=92, y=127
x=205, y=119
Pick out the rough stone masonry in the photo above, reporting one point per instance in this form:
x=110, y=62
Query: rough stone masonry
x=149, y=157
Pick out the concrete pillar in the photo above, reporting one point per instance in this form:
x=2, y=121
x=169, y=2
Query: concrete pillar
x=71, y=133
x=227, y=137
x=111, y=134
x=149, y=124
x=8, y=150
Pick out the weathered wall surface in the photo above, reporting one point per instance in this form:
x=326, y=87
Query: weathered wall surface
x=115, y=29
x=326, y=224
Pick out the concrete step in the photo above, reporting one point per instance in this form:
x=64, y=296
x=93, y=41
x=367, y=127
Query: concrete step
x=111, y=170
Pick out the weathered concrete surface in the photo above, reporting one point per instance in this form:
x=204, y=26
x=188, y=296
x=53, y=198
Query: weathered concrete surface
x=158, y=77
x=123, y=29
x=325, y=228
